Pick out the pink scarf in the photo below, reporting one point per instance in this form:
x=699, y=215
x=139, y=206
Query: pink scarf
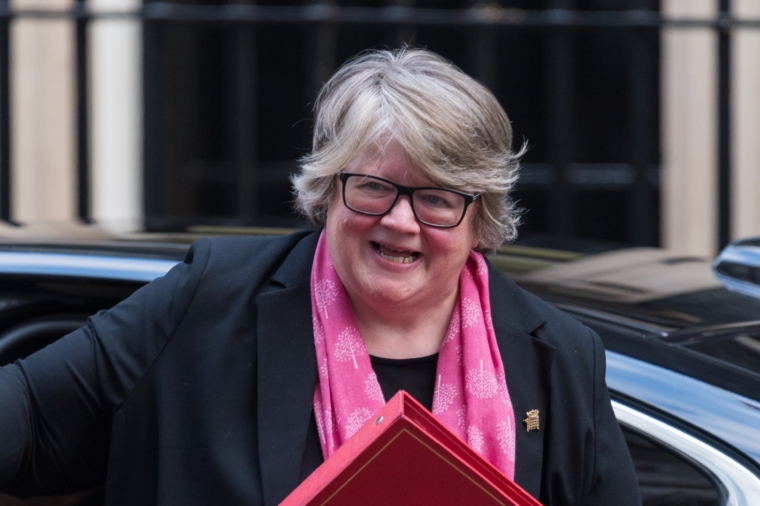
x=470, y=396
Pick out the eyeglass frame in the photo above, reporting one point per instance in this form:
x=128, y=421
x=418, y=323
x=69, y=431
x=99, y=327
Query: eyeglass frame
x=469, y=198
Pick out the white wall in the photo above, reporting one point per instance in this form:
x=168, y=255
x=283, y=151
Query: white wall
x=689, y=131
x=43, y=105
x=116, y=118
x=745, y=124
x=43, y=156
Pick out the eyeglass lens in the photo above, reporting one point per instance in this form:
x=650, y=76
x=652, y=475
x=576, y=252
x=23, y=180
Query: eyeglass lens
x=432, y=206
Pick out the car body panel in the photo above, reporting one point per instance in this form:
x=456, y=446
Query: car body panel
x=740, y=485
x=85, y=266
x=724, y=414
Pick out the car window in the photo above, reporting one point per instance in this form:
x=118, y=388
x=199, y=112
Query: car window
x=666, y=478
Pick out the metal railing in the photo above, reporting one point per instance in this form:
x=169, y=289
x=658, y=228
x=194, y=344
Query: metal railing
x=321, y=14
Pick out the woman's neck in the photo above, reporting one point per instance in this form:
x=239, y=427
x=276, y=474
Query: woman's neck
x=405, y=330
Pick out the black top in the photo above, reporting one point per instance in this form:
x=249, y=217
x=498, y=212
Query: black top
x=415, y=375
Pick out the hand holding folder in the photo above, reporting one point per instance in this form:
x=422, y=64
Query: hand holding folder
x=405, y=456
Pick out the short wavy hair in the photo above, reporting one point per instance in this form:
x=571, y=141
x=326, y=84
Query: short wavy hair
x=450, y=125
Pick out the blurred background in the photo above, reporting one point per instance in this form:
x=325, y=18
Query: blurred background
x=642, y=116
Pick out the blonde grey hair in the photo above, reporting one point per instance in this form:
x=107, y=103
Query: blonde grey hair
x=449, y=125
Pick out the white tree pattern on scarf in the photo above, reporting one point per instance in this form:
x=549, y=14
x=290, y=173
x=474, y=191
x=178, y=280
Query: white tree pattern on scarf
x=488, y=321
x=470, y=313
x=349, y=346
x=324, y=425
x=475, y=438
x=481, y=383
x=319, y=331
x=443, y=396
x=325, y=293
x=506, y=438
x=372, y=388
x=462, y=420
x=356, y=419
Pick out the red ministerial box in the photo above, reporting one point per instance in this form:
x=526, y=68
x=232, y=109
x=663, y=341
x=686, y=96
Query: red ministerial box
x=405, y=456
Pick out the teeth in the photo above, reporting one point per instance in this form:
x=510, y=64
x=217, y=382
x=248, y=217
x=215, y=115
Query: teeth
x=398, y=260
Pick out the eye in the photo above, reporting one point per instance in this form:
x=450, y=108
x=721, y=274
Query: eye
x=436, y=200
x=371, y=186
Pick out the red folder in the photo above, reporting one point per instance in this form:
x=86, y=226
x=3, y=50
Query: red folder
x=405, y=456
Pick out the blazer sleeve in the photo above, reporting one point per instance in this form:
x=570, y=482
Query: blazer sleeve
x=56, y=405
x=613, y=477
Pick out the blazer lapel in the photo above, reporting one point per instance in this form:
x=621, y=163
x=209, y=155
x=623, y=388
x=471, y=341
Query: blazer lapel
x=287, y=373
x=527, y=365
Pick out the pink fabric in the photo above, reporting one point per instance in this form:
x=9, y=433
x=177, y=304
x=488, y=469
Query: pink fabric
x=470, y=396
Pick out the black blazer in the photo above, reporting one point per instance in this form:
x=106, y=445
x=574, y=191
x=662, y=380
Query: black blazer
x=198, y=390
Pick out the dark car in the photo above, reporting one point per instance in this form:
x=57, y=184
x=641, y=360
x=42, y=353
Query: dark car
x=683, y=352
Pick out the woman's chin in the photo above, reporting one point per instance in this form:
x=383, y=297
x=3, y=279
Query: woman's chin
x=383, y=288
x=392, y=296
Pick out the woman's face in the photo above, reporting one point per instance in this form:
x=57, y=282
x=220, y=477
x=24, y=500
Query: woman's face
x=371, y=253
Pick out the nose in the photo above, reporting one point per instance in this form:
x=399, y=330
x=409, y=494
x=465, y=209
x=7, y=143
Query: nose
x=401, y=217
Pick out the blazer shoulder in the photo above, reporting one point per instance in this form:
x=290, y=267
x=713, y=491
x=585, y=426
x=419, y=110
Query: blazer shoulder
x=241, y=266
x=248, y=252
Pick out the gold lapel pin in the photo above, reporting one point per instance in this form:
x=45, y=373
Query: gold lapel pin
x=531, y=423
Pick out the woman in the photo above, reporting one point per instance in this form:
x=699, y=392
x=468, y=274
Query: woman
x=232, y=378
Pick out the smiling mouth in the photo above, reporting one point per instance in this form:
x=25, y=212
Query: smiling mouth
x=396, y=256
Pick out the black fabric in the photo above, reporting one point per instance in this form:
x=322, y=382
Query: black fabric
x=415, y=375
x=312, y=455
x=198, y=390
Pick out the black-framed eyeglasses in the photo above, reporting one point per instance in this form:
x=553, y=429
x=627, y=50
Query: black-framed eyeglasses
x=375, y=196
